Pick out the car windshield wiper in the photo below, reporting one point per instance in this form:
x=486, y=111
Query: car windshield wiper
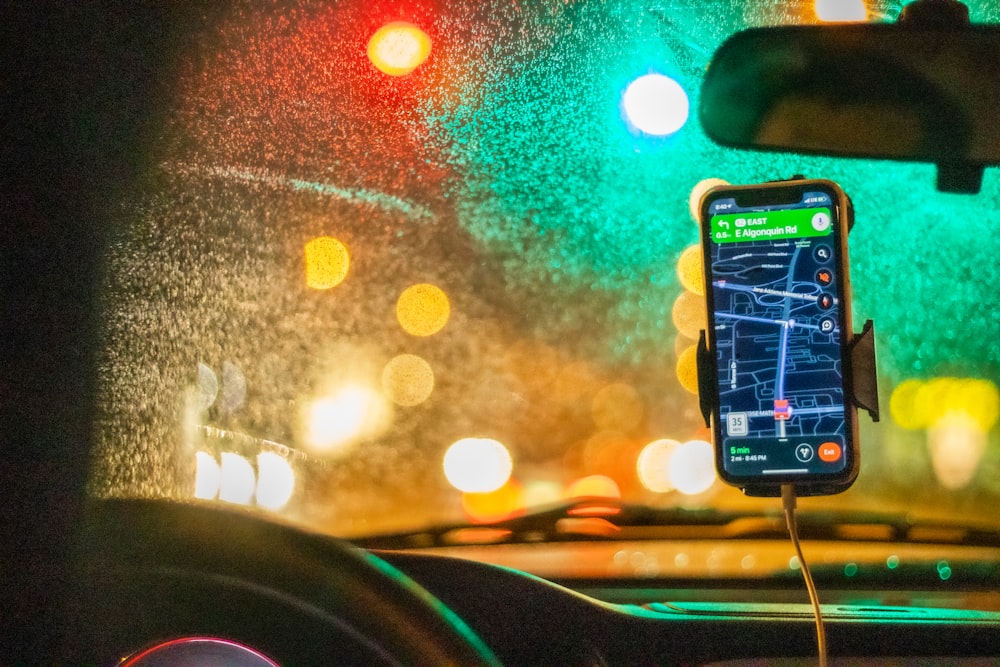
x=603, y=519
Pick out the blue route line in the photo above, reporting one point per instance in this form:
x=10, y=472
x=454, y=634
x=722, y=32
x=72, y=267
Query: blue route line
x=779, y=384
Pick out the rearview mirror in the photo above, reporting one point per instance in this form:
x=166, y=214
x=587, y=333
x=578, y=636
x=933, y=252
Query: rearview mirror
x=916, y=91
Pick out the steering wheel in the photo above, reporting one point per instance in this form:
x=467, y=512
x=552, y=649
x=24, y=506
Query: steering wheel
x=154, y=571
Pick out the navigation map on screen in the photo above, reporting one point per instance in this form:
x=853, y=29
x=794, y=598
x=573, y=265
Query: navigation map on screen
x=776, y=314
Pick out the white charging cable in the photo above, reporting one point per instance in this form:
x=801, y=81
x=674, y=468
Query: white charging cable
x=788, y=503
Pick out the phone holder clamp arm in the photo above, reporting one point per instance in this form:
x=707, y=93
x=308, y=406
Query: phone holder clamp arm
x=864, y=379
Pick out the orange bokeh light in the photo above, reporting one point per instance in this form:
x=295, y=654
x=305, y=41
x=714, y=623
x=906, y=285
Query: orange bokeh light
x=594, y=486
x=504, y=503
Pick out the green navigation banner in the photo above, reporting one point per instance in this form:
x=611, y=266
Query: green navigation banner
x=771, y=225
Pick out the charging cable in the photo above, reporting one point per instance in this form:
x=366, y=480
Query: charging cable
x=788, y=503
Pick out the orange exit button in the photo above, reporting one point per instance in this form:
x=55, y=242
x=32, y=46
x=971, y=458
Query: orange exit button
x=829, y=451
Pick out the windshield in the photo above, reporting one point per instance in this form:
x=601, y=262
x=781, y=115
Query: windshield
x=397, y=265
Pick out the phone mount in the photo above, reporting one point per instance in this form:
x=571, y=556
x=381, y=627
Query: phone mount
x=860, y=391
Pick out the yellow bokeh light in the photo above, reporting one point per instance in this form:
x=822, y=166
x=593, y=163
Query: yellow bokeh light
x=477, y=465
x=327, y=262
x=503, y=503
x=336, y=422
x=541, y=492
x=423, y=309
x=690, y=270
x=207, y=476
x=237, y=481
x=902, y=405
x=698, y=191
x=980, y=399
x=653, y=465
x=692, y=467
x=407, y=380
x=688, y=314
x=593, y=486
x=687, y=369
x=839, y=11
x=617, y=406
x=398, y=48
x=275, y=481
x=917, y=404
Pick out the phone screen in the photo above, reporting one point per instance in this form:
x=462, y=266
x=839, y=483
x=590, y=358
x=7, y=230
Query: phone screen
x=779, y=322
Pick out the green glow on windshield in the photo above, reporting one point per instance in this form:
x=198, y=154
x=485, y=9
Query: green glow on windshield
x=572, y=200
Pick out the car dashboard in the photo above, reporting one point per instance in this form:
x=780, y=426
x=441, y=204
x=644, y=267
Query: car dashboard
x=530, y=620
x=155, y=574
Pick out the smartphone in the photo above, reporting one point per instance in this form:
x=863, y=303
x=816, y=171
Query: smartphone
x=779, y=326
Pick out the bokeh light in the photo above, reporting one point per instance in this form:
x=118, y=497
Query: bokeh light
x=697, y=192
x=653, y=465
x=238, y=481
x=398, y=48
x=208, y=386
x=275, y=481
x=687, y=369
x=593, y=486
x=902, y=404
x=327, y=262
x=835, y=11
x=689, y=315
x=692, y=467
x=207, y=476
x=335, y=422
x=690, y=270
x=617, y=406
x=423, y=309
x=477, y=465
x=956, y=444
x=918, y=404
x=233, y=396
x=497, y=505
x=656, y=104
x=407, y=380
x=541, y=492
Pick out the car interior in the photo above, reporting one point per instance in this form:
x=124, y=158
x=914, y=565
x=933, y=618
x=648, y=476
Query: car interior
x=382, y=332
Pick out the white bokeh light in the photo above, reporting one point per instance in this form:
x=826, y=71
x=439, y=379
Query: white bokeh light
x=238, y=479
x=334, y=424
x=275, y=481
x=653, y=465
x=692, y=467
x=207, y=476
x=477, y=465
x=836, y=11
x=656, y=104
